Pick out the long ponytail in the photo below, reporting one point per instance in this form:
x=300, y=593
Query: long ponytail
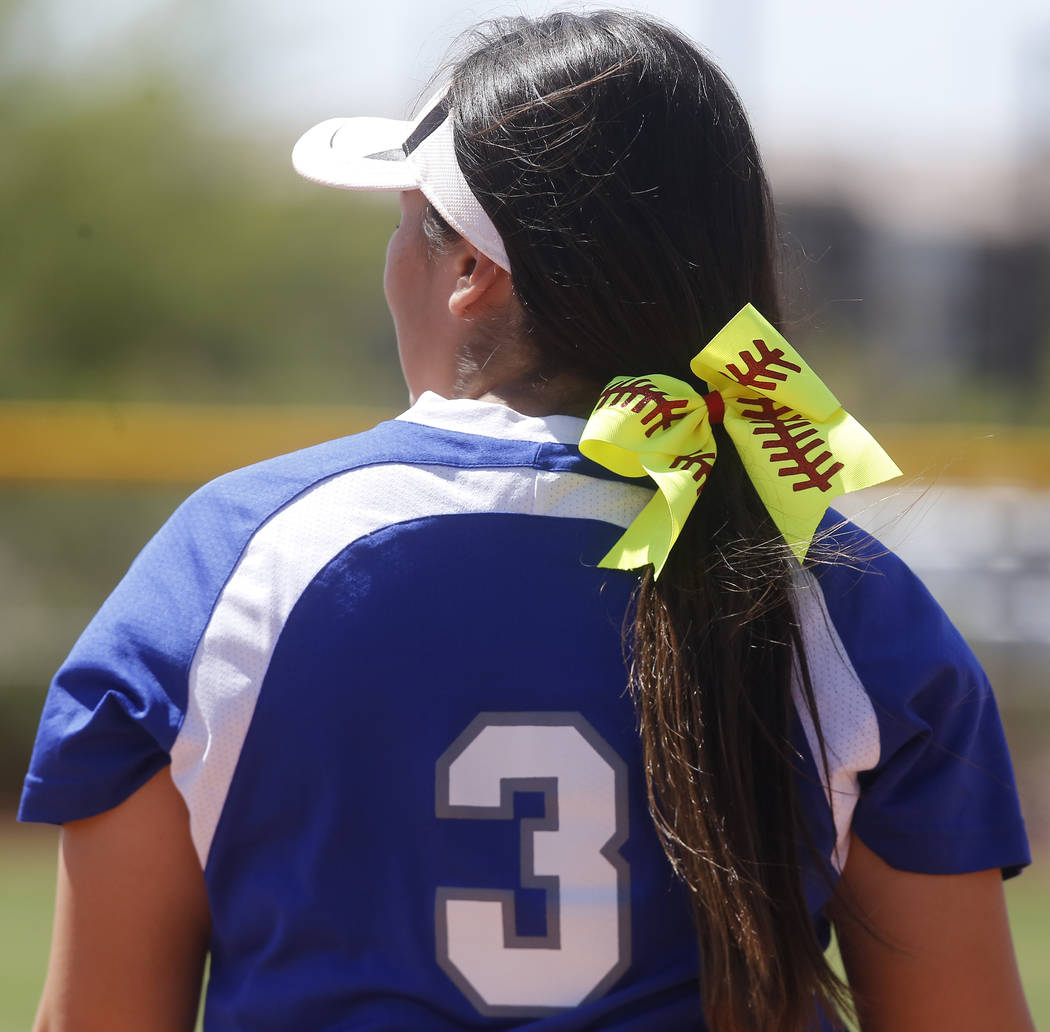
x=619, y=168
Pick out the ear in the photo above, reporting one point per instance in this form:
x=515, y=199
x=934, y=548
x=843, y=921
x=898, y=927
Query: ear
x=481, y=287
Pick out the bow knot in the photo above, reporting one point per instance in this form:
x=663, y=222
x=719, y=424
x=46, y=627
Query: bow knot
x=800, y=448
x=716, y=407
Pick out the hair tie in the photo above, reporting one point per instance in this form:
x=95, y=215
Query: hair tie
x=800, y=448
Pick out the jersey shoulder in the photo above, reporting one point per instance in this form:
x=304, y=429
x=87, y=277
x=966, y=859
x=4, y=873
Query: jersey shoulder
x=940, y=796
x=118, y=702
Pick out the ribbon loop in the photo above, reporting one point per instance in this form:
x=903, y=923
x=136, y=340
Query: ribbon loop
x=800, y=448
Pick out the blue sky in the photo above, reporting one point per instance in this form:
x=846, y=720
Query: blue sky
x=927, y=77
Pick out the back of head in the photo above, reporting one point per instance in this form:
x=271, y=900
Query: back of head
x=618, y=165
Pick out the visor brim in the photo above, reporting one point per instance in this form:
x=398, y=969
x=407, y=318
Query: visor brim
x=356, y=154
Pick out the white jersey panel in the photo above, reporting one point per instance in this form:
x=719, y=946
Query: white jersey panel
x=847, y=717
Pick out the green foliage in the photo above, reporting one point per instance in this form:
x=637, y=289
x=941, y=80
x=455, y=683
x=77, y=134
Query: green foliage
x=27, y=890
x=149, y=257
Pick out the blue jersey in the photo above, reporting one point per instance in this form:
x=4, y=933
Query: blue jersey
x=388, y=676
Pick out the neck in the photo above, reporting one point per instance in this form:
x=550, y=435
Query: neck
x=565, y=396
x=511, y=375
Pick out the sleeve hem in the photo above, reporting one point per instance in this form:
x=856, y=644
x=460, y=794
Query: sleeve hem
x=60, y=800
x=923, y=852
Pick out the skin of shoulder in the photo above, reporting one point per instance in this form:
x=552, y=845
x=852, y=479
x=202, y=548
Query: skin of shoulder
x=927, y=953
x=131, y=920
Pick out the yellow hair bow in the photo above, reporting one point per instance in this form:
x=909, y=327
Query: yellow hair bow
x=800, y=448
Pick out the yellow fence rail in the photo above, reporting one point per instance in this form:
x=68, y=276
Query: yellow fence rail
x=53, y=442
x=81, y=442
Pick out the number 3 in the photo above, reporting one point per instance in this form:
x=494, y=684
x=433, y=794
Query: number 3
x=571, y=852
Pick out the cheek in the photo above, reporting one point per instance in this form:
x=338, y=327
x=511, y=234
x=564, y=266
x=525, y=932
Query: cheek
x=406, y=279
x=393, y=271
x=403, y=287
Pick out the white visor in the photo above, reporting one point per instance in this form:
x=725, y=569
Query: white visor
x=388, y=154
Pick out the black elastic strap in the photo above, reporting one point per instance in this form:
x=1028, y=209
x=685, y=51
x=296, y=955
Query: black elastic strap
x=435, y=116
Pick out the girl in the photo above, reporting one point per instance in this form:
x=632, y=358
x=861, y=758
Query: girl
x=457, y=723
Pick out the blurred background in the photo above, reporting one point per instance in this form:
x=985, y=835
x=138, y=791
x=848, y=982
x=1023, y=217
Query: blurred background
x=174, y=302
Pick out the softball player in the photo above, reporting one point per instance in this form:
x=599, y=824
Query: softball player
x=500, y=716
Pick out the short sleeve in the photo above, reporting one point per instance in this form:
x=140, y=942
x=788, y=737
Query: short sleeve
x=942, y=798
x=116, y=706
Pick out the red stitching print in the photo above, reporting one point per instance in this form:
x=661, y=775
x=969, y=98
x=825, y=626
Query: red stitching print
x=762, y=371
x=642, y=391
x=794, y=440
x=701, y=463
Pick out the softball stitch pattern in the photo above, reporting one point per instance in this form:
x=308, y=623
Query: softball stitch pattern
x=699, y=463
x=800, y=448
x=636, y=394
x=792, y=440
x=763, y=372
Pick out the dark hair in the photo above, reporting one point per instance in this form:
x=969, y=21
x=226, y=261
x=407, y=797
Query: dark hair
x=618, y=165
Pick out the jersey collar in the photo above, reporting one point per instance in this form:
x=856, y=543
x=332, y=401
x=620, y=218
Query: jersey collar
x=490, y=419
